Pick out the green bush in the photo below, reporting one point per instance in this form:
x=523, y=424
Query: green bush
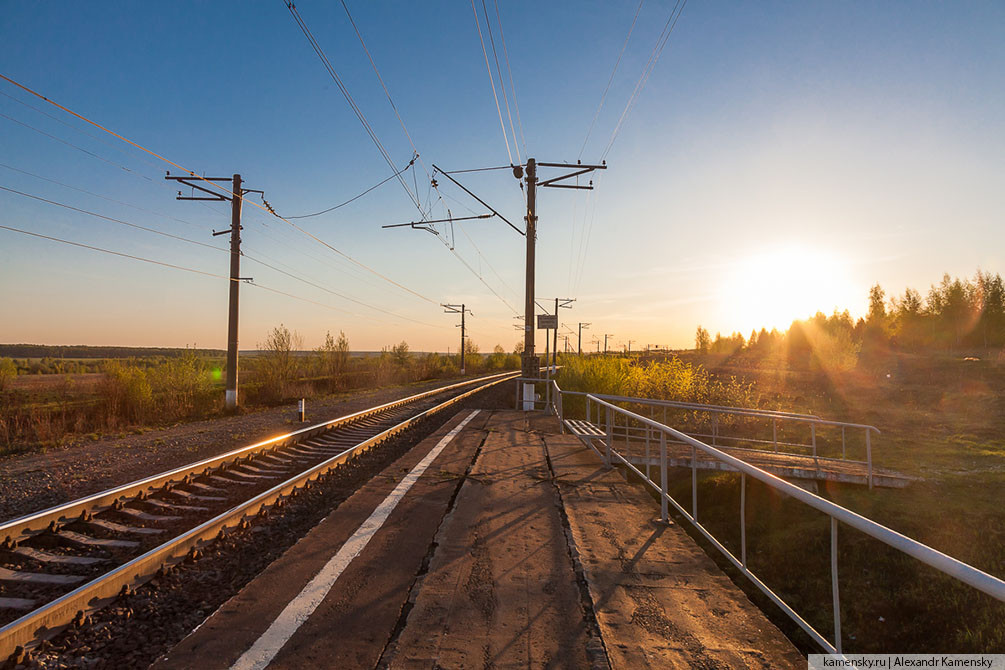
x=126, y=392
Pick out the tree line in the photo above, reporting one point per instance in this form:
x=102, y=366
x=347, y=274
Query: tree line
x=955, y=314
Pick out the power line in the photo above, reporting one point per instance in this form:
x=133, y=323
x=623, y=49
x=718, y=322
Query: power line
x=345, y=93
x=661, y=42
x=216, y=185
x=336, y=293
x=114, y=253
x=512, y=86
x=611, y=80
x=72, y=145
x=98, y=195
x=488, y=68
x=113, y=220
x=502, y=85
x=172, y=266
x=355, y=197
x=386, y=92
x=82, y=132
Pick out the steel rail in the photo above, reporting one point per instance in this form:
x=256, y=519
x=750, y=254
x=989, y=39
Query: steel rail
x=53, y=616
x=36, y=522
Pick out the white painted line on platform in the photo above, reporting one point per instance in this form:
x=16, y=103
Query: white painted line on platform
x=308, y=600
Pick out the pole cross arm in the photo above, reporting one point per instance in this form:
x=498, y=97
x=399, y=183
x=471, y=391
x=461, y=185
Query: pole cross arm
x=549, y=182
x=418, y=224
x=488, y=206
x=186, y=182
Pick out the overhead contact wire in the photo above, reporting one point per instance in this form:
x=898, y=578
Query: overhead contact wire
x=223, y=189
x=488, y=68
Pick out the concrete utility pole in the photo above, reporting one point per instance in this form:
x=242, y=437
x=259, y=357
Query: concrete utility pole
x=236, y=198
x=581, y=326
x=235, y=293
x=530, y=367
x=606, y=335
x=559, y=302
x=458, y=309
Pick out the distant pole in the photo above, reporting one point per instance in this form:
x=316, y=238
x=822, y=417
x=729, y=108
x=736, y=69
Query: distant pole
x=580, y=346
x=235, y=285
x=530, y=362
x=554, y=349
x=457, y=309
x=605, y=344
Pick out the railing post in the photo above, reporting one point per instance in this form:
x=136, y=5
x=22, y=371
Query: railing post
x=663, y=476
x=694, y=484
x=588, y=409
x=649, y=432
x=547, y=398
x=834, y=585
x=743, y=520
x=813, y=436
x=843, y=454
x=868, y=454
x=715, y=426
x=610, y=437
x=561, y=411
x=774, y=432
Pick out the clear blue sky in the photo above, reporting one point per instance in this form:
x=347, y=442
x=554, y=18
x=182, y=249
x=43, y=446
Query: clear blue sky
x=781, y=158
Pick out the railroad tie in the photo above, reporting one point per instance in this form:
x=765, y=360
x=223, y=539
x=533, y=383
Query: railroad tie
x=206, y=488
x=226, y=480
x=192, y=496
x=171, y=506
x=47, y=557
x=88, y=541
x=120, y=528
x=143, y=516
x=37, y=577
x=16, y=604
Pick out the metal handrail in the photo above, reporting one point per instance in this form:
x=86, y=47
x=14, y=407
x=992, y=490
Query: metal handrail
x=775, y=416
x=717, y=409
x=948, y=565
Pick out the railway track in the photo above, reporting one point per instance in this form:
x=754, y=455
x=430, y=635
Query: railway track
x=57, y=566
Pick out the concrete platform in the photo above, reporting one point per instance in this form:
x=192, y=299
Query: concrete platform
x=513, y=547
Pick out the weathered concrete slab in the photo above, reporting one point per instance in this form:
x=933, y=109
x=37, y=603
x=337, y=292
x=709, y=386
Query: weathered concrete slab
x=501, y=591
x=661, y=602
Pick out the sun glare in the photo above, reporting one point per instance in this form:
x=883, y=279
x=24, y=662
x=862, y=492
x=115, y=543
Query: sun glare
x=770, y=289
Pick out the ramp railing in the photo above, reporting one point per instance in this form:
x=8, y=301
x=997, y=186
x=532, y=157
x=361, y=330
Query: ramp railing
x=603, y=417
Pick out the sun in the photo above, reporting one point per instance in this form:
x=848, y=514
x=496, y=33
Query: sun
x=772, y=287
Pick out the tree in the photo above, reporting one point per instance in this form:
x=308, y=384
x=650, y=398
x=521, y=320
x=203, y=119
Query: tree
x=702, y=341
x=279, y=365
x=7, y=372
x=333, y=357
x=518, y=347
x=400, y=354
x=952, y=303
x=877, y=307
x=991, y=297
